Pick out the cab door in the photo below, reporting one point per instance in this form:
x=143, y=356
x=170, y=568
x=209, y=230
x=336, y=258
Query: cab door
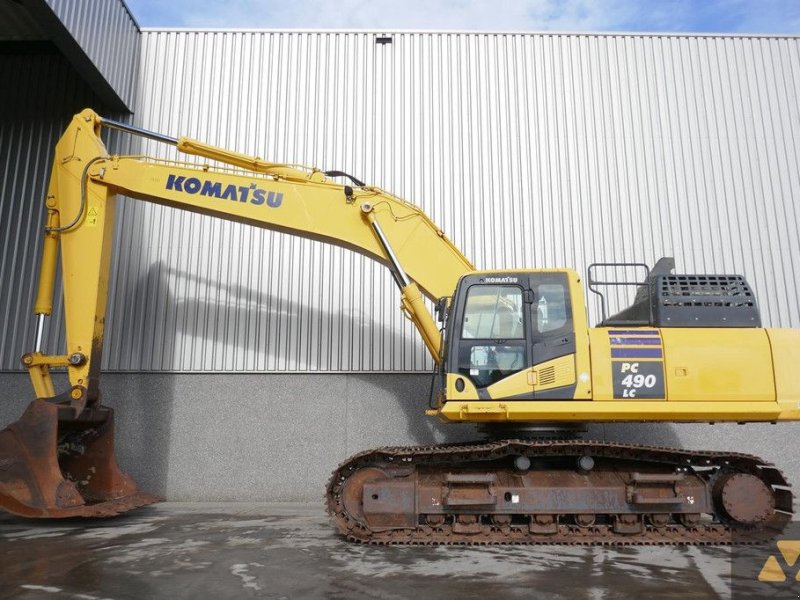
x=493, y=343
x=553, y=373
x=511, y=336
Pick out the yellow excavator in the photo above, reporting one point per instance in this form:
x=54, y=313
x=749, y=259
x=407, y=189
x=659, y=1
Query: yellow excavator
x=513, y=350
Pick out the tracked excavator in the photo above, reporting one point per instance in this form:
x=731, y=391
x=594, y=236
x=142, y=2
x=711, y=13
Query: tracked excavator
x=513, y=351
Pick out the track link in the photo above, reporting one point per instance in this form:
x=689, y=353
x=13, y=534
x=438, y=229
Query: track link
x=468, y=472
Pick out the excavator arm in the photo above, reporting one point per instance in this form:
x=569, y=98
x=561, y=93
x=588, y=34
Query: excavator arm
x=80, y=201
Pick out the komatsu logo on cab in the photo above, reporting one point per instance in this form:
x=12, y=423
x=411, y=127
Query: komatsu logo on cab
x=214, y=189
x=505, y=279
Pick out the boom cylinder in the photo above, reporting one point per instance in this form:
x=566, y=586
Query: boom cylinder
x=398, y=272
x=414, y=307
x=411, y=296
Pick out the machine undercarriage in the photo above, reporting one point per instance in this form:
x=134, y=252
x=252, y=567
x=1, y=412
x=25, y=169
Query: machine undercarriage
x=557, y=491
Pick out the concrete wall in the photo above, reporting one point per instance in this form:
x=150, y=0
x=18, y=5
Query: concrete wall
x=274, y=437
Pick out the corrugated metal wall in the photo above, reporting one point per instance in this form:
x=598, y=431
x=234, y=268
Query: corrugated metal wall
x=109, y=35
x=46, y=93
x=529, y=150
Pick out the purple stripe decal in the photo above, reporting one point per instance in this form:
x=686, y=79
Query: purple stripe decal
x=631, y=332
x=636, y=353
x=635, y=341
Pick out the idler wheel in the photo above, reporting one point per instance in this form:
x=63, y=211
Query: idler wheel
x=353, y=489
x=743, y=498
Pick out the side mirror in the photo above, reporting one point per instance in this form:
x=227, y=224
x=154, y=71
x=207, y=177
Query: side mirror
x=441, y=308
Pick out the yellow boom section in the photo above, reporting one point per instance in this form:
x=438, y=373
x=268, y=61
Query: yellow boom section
x=284, y=198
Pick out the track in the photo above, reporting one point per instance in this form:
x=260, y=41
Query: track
x=557, y=492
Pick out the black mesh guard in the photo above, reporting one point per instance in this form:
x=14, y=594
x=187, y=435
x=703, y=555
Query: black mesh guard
x=704, y=301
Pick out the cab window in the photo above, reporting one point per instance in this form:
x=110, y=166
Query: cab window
x=493, y=312
x=489, y=363
x=551, y=307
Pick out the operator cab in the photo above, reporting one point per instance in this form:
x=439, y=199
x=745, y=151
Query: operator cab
x=502, y=325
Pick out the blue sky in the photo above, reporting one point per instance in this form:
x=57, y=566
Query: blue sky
x=733, y=16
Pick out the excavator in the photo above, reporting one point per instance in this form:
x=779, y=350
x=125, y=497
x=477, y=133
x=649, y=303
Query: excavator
x=514, y=355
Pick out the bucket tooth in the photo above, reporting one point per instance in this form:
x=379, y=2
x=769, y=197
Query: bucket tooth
x=54, y=465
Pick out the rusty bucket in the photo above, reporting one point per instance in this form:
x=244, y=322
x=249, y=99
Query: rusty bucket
x=56, y=465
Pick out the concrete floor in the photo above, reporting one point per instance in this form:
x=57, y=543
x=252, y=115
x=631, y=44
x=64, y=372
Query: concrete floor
x=176, y=550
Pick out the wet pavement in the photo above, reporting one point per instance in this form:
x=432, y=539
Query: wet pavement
x=195, y=550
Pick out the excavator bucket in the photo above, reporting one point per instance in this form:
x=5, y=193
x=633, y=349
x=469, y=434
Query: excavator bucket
x=55, y=465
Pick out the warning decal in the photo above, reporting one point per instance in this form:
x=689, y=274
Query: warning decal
x=91, y=217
